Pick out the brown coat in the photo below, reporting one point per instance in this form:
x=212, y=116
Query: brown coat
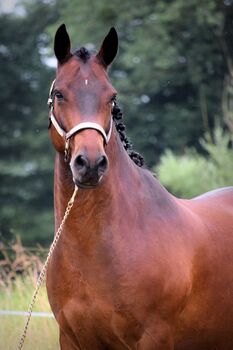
x=135, y=268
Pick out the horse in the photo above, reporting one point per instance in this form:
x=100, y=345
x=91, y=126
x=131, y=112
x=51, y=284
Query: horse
x=135, y=267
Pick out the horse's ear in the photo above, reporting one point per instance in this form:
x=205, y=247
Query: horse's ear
x=62, y=44
x=109, y=48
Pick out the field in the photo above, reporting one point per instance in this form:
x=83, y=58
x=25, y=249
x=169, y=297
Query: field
x=42, y=332
x=18, y=271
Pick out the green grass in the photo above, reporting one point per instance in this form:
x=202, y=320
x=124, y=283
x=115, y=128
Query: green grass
x=42, y=332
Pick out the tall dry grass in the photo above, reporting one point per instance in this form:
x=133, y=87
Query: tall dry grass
x=18, y=273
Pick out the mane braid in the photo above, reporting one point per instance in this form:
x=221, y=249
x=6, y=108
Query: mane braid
x=83, y=54
x=120, y=126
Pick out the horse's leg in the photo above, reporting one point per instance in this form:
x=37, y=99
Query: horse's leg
x=66, y=343
x=158, y=337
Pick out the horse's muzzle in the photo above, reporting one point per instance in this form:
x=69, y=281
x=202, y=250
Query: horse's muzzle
x=87, y=173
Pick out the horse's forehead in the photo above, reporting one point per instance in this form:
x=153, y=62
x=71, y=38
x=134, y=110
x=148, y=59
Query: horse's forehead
x=75, y=71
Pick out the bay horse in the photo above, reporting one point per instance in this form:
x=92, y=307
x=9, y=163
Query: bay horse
x=135, y=267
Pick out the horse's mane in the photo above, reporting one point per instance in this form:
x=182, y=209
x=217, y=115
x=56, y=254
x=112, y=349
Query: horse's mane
x=120, y=126
x=84, y=55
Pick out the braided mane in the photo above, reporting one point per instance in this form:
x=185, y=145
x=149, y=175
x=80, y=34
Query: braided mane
x=120, y=126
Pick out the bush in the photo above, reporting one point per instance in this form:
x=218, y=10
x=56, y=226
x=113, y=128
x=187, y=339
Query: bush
x=191, y=174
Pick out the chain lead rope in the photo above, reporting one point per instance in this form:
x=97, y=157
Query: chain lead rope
x=43, y=271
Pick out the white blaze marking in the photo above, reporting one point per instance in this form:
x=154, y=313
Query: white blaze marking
x=86, y=81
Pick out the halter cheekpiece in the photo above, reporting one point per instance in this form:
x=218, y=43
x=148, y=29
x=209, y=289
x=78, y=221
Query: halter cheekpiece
x=81, y=126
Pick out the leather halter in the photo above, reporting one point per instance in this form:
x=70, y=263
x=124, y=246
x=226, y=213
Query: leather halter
x=81, y=126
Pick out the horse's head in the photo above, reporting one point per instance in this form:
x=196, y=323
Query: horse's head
x=81, y=101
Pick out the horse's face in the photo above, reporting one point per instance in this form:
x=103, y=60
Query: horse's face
x=83, y=93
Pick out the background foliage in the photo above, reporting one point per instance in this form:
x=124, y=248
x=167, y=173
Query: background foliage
x=174, y=77
x=191, y=173
x=26, y=154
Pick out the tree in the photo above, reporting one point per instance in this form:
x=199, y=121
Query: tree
x=26, y=153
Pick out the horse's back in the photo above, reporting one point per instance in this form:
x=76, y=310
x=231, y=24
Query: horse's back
x=216, y=206
x=225, y=193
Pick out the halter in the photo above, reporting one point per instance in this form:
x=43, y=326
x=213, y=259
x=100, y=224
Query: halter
x=81, y=126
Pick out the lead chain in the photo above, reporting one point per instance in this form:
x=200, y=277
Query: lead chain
x=43, y=271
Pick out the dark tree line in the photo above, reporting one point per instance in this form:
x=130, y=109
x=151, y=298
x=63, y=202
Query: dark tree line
x=26, y=153
x=173, y=74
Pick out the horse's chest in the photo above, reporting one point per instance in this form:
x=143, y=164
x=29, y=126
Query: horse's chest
x=95, y=323
x=88, y=311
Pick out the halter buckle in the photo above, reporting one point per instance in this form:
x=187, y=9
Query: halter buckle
x=67, y=151
x=50, y=99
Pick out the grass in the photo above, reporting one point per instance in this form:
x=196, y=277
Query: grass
x=42, y=332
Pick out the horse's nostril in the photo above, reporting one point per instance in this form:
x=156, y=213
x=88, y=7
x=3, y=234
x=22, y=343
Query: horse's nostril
x=86, y=170
x=102, y=164
x=102, y=161
x=81, y=162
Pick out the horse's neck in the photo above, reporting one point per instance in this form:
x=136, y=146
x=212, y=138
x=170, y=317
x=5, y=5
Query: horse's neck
x=121, y=184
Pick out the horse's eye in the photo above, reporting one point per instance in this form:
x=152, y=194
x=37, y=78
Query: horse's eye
x=58, y=95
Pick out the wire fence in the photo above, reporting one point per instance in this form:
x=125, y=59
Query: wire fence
x=25, y=313
x=28, y=249
x=17, y=261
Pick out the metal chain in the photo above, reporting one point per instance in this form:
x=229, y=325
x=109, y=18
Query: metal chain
x=43, y=271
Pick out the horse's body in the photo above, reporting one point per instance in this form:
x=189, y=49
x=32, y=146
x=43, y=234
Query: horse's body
x=137, y=268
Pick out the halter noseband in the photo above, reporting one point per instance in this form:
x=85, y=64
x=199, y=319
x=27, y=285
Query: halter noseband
x=81, y=126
